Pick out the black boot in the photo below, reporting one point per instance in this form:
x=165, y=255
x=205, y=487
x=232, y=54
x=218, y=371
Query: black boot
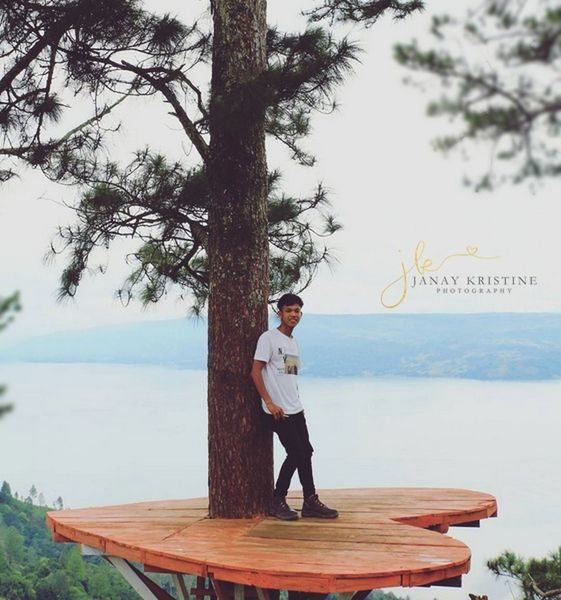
x=281, y=510
x=313, y=507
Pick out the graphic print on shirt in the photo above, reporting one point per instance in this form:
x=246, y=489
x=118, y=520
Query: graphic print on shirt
x=290, y=363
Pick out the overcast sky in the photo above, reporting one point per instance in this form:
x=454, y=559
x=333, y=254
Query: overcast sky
x=389, y=189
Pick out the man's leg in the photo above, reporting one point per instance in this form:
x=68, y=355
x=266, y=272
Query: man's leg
x=279, y=508
x=288, y=467
x=293, y=435
x=284, y=478
x=312, y=505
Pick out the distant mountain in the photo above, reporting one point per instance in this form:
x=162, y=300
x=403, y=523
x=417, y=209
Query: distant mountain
x=177, y=342
x=516, y=346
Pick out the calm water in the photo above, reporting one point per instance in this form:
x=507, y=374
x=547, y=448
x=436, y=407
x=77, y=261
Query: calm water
x=98, y=434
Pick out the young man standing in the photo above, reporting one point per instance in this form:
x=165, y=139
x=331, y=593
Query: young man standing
x=275, y=369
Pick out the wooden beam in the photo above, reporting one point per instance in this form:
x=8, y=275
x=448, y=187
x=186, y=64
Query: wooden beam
x=440, y=527
x=468, y=524
x=450, y=582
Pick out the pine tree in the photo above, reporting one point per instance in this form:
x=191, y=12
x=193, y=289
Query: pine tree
x=499, y=85
x=5, y=492
x=537, y=578
x=219, y=228
x=14, y=546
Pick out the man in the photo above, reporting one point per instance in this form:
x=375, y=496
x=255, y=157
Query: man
x=275, y=369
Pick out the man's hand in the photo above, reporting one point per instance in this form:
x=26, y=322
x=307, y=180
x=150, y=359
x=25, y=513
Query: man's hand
x=276, y=411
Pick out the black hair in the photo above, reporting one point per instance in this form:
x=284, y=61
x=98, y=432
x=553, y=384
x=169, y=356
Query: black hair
x=288, y=299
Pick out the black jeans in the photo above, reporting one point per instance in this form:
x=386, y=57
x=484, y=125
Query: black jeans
x=293, y=435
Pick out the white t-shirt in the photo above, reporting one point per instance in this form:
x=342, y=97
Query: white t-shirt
x=282, y=355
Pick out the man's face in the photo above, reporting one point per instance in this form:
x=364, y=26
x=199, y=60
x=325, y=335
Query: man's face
x=290, y=314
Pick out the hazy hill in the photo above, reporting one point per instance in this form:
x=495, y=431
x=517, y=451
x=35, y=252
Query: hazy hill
x=477, y=346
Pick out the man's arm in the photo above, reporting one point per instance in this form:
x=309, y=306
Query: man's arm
x=257, y=376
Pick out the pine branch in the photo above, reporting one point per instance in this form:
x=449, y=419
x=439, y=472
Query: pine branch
x=162, y=86
x=358, y=11
x=50, y=37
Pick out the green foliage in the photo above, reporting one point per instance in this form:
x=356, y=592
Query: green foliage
x=381, y=595
x=33, y=567
x=165, y=206
x=538, y=578
x=59, y=586
x=13, y=546
x=303, y=72
x=8, y=306
x=499, y=86
x=14, y=586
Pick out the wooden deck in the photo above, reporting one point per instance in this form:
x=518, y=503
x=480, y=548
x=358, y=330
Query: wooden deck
x=381, y=539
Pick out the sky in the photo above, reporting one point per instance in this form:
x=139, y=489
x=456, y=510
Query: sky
x=395, y=196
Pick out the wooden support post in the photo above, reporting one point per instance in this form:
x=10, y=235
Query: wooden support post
x=202, y=589
x=239, y=591
x=221, y=589
x=180, y=585
x=263, y=593
x=143, y=585
x=293, y=595
x=267, y=594
x=361, y=594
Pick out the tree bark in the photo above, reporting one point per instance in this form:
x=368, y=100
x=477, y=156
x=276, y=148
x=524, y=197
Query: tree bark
x=240, y=447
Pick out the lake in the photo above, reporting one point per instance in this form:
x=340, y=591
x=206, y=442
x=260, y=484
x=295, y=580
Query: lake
x=107, y=434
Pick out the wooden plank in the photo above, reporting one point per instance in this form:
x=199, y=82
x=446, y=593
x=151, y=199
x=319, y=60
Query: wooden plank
x=341, y=533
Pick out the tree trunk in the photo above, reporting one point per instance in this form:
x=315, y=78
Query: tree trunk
x=240, y=448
